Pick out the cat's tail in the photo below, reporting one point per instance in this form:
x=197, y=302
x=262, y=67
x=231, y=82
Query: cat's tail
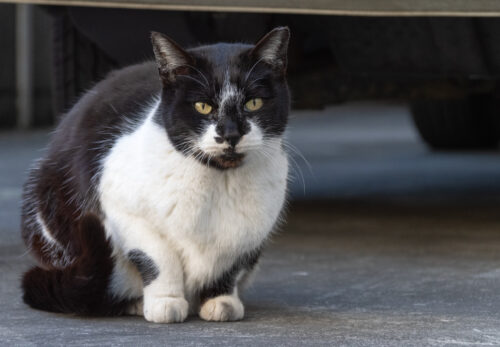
x=81, y=287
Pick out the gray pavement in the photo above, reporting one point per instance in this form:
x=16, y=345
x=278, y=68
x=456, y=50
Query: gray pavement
x=400, y=248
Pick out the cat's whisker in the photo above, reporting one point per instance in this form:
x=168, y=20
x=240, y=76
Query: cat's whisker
x=209, y=158
x=298, y=169
x=137, y=190
x=213, y=148
x=194, y=79
x=295, y=150
x=253, y=67
x=252, y=84
x=201, y=73
x=266, y=154
x=295, y=166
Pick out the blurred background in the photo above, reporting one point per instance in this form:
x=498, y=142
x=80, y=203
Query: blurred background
x=382, y=106
x=393, y=227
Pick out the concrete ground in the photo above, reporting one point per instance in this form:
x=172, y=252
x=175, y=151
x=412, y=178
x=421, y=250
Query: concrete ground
x=400, y=248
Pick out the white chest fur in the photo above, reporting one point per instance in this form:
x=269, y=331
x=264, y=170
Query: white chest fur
x=207, y=216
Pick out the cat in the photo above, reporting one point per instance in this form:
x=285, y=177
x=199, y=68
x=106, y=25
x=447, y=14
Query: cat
x=161, y=185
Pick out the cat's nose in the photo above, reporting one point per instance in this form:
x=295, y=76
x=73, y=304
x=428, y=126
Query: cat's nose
x=232, y=138
x=229, y=132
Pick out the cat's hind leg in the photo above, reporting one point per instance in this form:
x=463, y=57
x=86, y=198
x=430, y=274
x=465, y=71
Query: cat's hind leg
x=82, y=286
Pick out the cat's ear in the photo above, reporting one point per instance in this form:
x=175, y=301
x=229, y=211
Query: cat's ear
x=172, y=60
x=272, y=48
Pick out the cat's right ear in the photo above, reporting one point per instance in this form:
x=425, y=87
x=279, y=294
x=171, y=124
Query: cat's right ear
x=272, y=48
x=172, y=60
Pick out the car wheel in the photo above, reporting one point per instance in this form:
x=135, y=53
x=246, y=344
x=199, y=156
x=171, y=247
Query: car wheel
x=471, y=122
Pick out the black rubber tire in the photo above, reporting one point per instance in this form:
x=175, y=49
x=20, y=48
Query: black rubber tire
x=78, y=62
x=471, y=122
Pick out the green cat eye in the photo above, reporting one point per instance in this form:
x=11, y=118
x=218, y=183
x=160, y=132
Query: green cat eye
x=203, y=107
x=253, y=104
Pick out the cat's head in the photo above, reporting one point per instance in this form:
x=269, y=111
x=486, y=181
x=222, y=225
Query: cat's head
x=221, y=102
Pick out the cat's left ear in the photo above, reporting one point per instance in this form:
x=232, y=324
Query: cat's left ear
x=172, y=60
x=272, y=48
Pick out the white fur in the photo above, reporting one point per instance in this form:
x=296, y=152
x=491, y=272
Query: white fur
x=223, y=308
x=208, y=144
x=51, y=246
x=229, y=92
x=251, y=141
x=45, y=231
x=192, y=220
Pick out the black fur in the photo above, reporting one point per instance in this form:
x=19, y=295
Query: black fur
x=202, y=79
x=62, y=187
x=82, y=287
x=145, y=265
x=226, y=282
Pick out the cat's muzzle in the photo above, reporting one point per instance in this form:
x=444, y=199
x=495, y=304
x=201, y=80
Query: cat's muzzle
x=229, y=159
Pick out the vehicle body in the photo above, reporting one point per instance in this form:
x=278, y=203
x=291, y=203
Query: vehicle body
x=442, y=56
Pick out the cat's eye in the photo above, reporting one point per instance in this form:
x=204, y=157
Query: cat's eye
x=203, y=107
x=253, y=104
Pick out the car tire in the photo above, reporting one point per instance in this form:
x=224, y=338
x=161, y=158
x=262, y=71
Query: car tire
x=471, y=122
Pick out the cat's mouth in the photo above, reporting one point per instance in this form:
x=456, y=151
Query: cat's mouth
x=229, y=159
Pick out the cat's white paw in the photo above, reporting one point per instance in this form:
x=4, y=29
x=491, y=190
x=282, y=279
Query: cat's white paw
x=165, y=309
x=222, y=308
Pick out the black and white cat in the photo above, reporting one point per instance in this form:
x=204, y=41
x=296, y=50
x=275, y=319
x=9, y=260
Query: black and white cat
x=156, y=194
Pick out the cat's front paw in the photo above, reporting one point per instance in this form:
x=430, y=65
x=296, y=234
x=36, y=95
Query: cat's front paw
x=222, y=308
x=165, y=309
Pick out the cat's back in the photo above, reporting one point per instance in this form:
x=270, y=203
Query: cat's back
x=63, y=181
x=118, y=99
x=113, y=107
